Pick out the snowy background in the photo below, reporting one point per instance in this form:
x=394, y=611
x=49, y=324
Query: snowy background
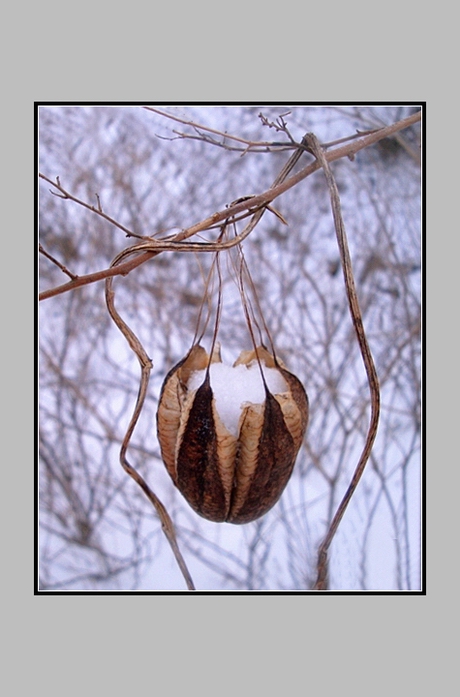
x=97, y=529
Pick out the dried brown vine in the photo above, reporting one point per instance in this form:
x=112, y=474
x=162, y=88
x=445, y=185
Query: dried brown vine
x=315, y=147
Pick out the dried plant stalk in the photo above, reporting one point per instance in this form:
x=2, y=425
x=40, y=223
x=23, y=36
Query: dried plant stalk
x=322, y=565
x=146, y=365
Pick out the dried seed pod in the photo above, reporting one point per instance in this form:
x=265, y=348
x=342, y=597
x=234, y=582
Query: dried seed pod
x=227, y=477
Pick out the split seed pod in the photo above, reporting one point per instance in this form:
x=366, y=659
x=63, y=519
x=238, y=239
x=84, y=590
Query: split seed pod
x=224, y=477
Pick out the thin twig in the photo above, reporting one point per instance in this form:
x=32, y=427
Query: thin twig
x=66, y=195
x=63, y=268
x=223, y=134
x=322, y=565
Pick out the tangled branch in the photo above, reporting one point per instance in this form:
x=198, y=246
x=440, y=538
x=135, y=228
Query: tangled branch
x=242, y=206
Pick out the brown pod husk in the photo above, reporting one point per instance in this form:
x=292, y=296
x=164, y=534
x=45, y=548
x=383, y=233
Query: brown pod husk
x=172, y=399
x=224, y=477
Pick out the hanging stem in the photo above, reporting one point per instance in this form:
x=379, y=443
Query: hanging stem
x=146, y=365
x=322, y=565
x=216, y=263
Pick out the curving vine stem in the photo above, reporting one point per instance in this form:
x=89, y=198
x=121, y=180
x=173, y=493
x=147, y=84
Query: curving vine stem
x=146, y=365
x=322, y=565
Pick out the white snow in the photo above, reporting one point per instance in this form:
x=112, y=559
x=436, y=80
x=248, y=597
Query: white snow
x=233, y=386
